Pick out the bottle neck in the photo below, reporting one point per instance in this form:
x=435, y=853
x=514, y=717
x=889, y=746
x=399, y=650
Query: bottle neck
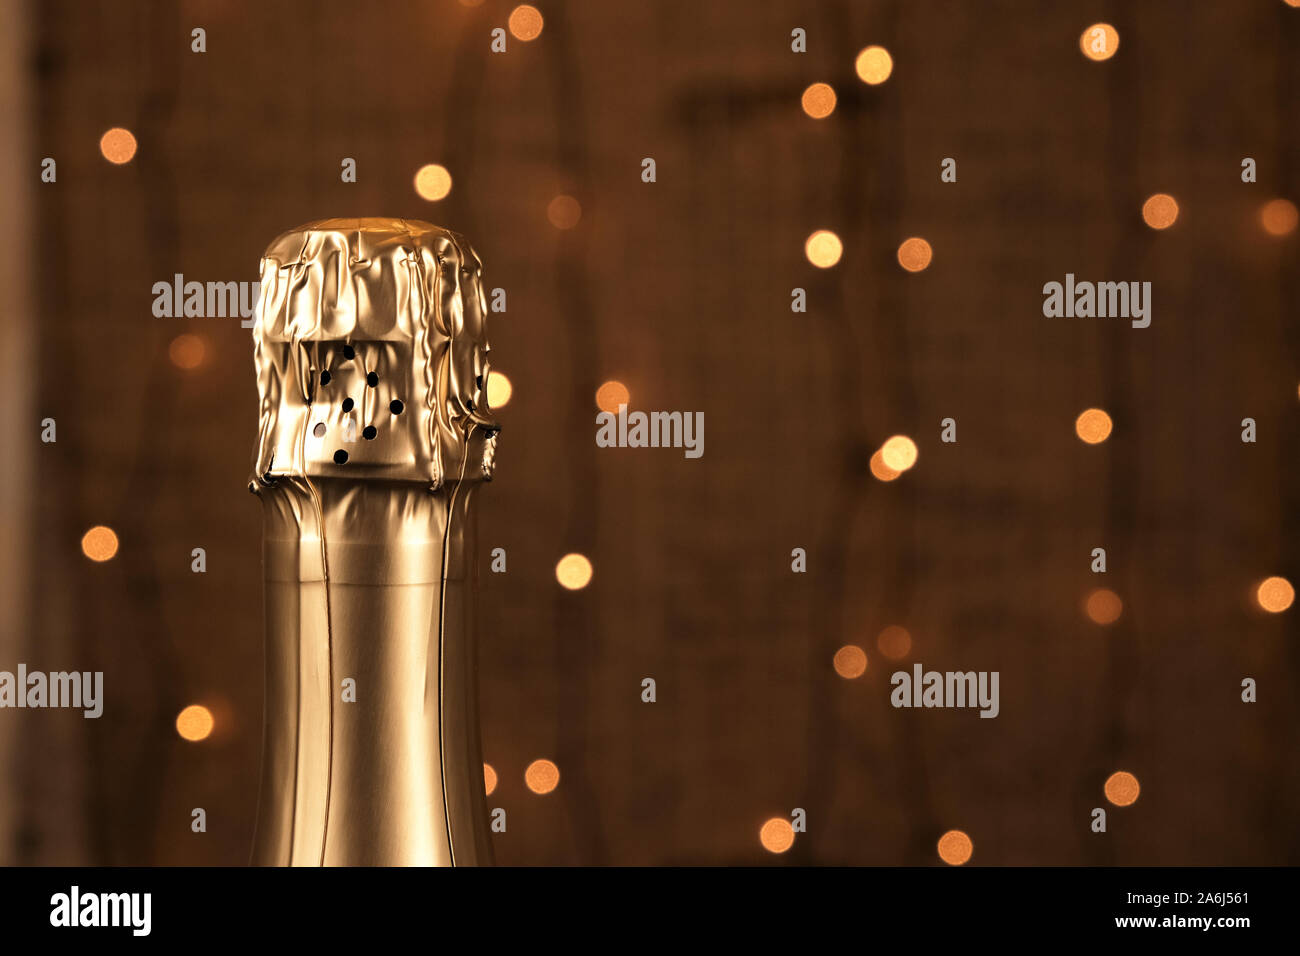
x=371, y=751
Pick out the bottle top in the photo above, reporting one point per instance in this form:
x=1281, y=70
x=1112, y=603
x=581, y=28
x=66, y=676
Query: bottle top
x=370, y=345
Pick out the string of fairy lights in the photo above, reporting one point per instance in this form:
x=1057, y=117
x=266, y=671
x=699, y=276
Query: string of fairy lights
x=1277, y=217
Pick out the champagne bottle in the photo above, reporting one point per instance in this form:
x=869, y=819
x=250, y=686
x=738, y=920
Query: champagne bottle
x=374, y=433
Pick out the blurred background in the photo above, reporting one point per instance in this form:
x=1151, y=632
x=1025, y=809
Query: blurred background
x=978, y=557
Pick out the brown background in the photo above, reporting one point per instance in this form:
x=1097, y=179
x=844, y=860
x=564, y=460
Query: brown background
x=681, y=289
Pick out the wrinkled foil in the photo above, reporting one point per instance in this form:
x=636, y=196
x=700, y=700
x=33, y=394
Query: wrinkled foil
x=371, y=751
x=407, y=298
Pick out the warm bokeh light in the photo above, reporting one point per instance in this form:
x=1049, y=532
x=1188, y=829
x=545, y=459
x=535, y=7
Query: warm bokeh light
x=873, y=65
x=776, y=835
x=1275, y=594
x=542, y=776
x=819, y=100
x=564, y=212
x=186, y=351
x=823, y=248
x=1099, y=41
x=1122, y=788
x=573, y=571
x=880, y=470
x=99, y=543
x=898, y=453
x=955, y=847
x=489, y=779
x=433, y=182
x=1279, y=217
x=850, y=661
x=194, y=722
x=612, y=394
x=525, y=22
x=1160, y=211
x=118, y=145
x=499, y=390
x=1093, y=426
x=914, y=254
x=894, y=642
x=1103, y=606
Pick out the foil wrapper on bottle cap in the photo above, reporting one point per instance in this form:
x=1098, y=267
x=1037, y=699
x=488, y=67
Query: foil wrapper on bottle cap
x=372, y=355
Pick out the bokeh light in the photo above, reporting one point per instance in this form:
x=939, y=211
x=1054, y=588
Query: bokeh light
x=433, y=182
x=1099, y=41
x=1275, y=594
x=99, y=543
x=819, y=100
x=499, y=390
x=894, y=642
x=194, y=722
x=850, y=661
x=612, y=394
x=564, y=211
x=823, y=248
x=186, y=351
x=898, y=453
x=489, y=778
x=881, y=470
x=525, y=22
x=914, y=254
x=573, y=571
x=873, y=65
x=1160, y=211
x=1279, y=217
x=1103, y=606
x=1122, y=788
x=118, y=145
x=1093, y=426
x=955, y=847
x=776, y=835
x=542, y=776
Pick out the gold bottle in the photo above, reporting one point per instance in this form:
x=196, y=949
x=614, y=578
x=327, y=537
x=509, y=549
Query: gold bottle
x=374, y=433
